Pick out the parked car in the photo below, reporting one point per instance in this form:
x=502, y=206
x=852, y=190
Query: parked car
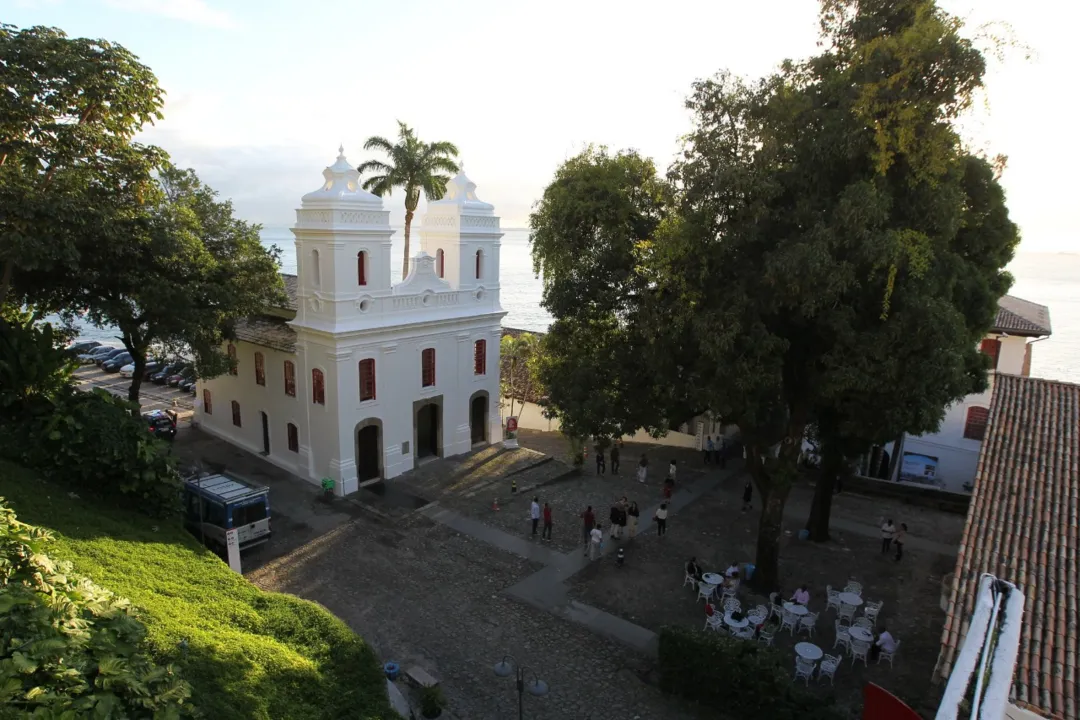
x=106, y=357
x=90, y=357
x=187, y=384
x=80, y=348
x=151, y=367
x=188, y=373
x=116, y=362
x=162, y=423
x=163, y=375
x=217, y=504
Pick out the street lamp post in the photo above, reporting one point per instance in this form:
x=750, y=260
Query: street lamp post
x=536, y=686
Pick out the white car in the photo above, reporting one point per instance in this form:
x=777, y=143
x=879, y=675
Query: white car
x=128, y=370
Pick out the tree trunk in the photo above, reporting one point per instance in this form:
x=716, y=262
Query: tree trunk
x=766, y=575
x=897, y=453
x=408, y=230
x=821, y=508
x=137, y=348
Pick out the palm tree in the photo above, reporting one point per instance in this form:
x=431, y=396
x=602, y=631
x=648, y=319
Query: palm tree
x=414, y=165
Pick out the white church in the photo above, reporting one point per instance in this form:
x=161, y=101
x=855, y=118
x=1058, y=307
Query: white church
x=358, y=379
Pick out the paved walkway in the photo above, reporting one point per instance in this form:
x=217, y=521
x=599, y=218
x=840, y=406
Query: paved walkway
x=546, y=589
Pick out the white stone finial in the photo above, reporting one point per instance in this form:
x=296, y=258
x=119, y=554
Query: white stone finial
x=461, y=167
x=341, y=151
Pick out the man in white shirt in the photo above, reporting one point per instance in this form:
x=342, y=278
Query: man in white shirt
x=801, y=596
x=886, y=641
x=888, y=530
x=733, y=569
x=597, y=536
x=534, y=513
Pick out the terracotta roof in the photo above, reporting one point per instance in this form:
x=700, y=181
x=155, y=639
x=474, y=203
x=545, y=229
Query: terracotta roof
x=290, y=289
x=1023, y=527
x=1021, y=317
x=268, y=332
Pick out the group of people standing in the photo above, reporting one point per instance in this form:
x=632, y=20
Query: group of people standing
x=891, y=538
x=715, y=450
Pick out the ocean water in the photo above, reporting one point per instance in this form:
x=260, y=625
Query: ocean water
x=1049, y=279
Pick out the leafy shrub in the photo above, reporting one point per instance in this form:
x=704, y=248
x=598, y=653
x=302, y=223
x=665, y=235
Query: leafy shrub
x=69, y=648
x=735, y=678
x=431, y=701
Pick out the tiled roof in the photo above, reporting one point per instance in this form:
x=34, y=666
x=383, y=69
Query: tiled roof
x=1023, y=527
x=290, y=289
x=1021, y=317
x=268, y=332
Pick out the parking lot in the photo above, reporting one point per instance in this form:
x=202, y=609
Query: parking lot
x=152, y=397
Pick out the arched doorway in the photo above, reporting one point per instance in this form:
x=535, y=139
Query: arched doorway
x=369, y=450
x=478, y=418
x=427, y=431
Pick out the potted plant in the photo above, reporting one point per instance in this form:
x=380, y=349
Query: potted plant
x=432, y=701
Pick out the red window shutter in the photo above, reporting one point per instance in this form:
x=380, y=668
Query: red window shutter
x=367, y=379
x=260, y=370
x=318, y=389
x=207, y=401
x=480, y=357
x=233, y=370
x=294, y=438
x=975, y=426
x=290, y=378
x=236, y=413
x=991, y=347
x=361, y=268
x=428, y=373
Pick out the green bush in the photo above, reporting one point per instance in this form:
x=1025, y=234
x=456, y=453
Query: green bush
x=735, y=678
x=69, y=648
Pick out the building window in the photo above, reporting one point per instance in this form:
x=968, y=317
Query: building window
x=367, y=379
x=361, y=268
x=260, y=370
x=236, y=413
x=207, y=402
x=440, y=262
x=290, y=378
x=479, y=264
x=975, y=427
x=314, y=272
x=480, y=357
x=427, y=374
x=294, y=438
x=232, y=360
x=318, y=387
x=992, y=348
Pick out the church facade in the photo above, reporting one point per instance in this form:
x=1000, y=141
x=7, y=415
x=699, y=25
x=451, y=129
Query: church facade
x=357, y=378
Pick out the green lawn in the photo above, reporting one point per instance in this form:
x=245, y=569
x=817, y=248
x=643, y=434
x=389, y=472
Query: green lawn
x=251, y=654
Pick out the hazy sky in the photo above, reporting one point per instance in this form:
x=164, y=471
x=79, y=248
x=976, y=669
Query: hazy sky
x=260, y=92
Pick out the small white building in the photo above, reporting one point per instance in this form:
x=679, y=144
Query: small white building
x=948, y=458
x=359, y=379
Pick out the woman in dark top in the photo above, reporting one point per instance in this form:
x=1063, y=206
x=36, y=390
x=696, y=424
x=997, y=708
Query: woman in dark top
x=633, y=514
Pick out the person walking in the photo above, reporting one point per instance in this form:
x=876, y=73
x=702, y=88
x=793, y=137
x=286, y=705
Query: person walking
x=671, y=472
x=661, y=520
x=709, y=449
x=615, y=459
x=534, y=513
x=613, y=517
x=596, y=541
x=588, y=521
x=599, y=460
x=888, y=530
x=747, y=495
x=642, y=468
x=622, y=516
x=546, y=534
x=632, y=515
x=898, y=541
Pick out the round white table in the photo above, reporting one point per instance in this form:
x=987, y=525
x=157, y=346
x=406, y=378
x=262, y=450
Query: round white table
x=795, y=608
x=713, y=578
x=735, y=624
x=859, y=633
x=808, y=651
x=850, y=599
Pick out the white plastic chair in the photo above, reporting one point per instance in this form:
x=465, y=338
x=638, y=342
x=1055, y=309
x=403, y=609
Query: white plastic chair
x=746, y=633
x=871, y=610
x=776, y=611
x=828, y=667
x=842, y=637
x=766, y=635
x=863, y=623
x=847, y=612
x=730, y=589
x=889, y=655
x=853, y=587
x=759, y=610
x=714, y=621
x=689, y=579
x=757, y=617
x=859, y=651
x=705, y=590
x=789, y=621
x=834, y=599
x=807, y=623
x=804, y=669
x=732, y=605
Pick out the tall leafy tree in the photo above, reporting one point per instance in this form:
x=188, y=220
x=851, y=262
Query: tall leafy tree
x=414, y=166
x=519, y=355
x=70, y=107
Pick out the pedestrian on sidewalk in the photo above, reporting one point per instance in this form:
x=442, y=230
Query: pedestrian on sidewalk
x=588, y=522
x=615, y=458
x=898, y=541
x=709, y=448
x=599, y=460
x=642, y=468
x=596, y=541
x=613, y=516
x=661, y=520
x=546, y=534
x=671, y=472
x=623, y=505
x=747, y=495
x=888, y=530
x=632, y=515
x=534, y=513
